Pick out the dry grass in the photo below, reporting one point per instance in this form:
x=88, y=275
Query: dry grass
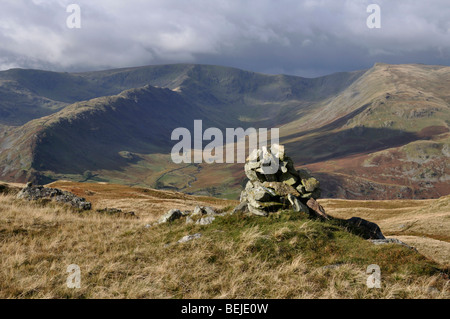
x=236, y=257
x=424, y=224
x=148, y=204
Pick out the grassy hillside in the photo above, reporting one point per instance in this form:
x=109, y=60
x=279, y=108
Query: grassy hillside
x=285, y=256
x=422, y=223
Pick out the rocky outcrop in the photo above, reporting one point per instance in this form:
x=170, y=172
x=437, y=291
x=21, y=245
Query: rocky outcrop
x=274, y=184
x=170, y=216
x=366, y=229
x=117, y=212
x=207, y=220
x=31, y=192
x=202, y=215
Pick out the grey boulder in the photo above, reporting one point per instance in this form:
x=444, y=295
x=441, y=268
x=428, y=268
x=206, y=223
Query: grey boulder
x=170, y=216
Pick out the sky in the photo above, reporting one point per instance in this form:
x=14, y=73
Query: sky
x=299, y=37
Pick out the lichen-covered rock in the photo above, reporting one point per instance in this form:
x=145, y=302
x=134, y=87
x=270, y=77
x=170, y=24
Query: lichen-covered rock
x=170, y=216
x=281, y=189
x=187, y=238
x=207, y=220
x=297, y=205
x=202, y=215
x=260, y=194
x=310, y=184
x=209, y=211
x=278, y=151
x=256, y=211
x=251, y=173
x=289, y=179
x=241, y=208
x=203, y=210
x=198, y=211
x=31, y=192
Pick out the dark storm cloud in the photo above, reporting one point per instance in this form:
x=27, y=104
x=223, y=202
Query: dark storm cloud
x=306, y=38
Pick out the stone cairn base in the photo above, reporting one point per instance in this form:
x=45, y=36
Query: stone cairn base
x=273, y=187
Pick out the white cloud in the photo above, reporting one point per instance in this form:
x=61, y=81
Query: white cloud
x=286, y=35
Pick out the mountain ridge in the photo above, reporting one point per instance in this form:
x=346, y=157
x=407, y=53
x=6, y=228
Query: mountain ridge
x=321, y=120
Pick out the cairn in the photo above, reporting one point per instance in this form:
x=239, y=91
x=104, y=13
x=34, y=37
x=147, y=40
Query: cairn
x=273, y=187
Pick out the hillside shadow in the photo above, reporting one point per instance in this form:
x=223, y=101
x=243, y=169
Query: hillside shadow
x=358, y=140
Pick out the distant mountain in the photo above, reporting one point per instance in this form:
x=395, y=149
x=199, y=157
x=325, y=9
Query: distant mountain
x=377, y=133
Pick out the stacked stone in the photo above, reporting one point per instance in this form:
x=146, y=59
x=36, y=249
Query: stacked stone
x=272, y=187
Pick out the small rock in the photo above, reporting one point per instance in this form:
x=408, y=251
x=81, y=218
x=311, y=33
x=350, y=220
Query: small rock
x=281, y=189
x=317, y=209
x=265, y=206
x=198, y=211
x=297, y=205
x=253, y=165
x=241, y=208
x=209, y=211
x=278, y=151
x=250, y=173
x=243, y=197
x=390, y=241
x=260, y=194
x=334, y=266
x=310, y=184
x=170, y=216
x=301, y=189
x=189, y=238
x=289, y=179
x=256, y=211
x=206, y=220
